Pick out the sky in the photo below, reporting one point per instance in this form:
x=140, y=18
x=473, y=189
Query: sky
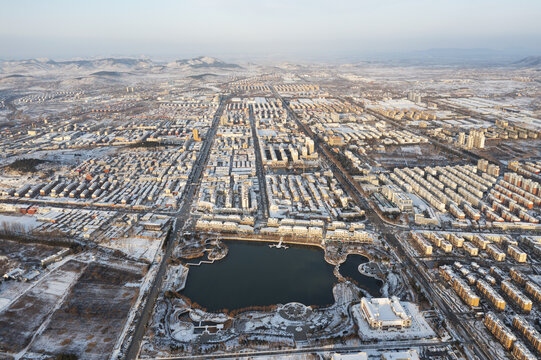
x=235, y=29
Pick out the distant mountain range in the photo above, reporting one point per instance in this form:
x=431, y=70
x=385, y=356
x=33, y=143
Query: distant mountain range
x=530, y=61
x=452, y=57
x=108, y=66
x=205, y=66
x=37, y=65
x=102, y=62
x=108, y=73
x=203, y=62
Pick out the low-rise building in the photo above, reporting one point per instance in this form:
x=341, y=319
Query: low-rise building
x=383, y=313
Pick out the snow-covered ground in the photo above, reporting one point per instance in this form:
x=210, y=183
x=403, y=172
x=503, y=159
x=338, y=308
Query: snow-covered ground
x=175, y=324
x=136, y=247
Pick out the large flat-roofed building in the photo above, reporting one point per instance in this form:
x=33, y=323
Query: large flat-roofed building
x=383, y=313
x=352, y=356
x=400, y=355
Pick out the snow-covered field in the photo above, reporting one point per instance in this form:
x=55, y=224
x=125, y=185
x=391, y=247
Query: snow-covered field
x=135, y=247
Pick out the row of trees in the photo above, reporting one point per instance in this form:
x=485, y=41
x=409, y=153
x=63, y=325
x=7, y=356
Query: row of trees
x=25, y=165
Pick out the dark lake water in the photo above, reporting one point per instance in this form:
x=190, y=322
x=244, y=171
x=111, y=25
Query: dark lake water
x=253, y=274
x=349, y=269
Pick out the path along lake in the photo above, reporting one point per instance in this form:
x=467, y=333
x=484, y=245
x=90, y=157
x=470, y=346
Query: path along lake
x=254, y=274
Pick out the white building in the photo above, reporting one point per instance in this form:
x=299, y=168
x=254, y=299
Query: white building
x=385, y=313
x=400, y=355
x=353, y=356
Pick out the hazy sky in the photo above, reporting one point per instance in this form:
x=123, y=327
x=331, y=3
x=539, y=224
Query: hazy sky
x=253, y=28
